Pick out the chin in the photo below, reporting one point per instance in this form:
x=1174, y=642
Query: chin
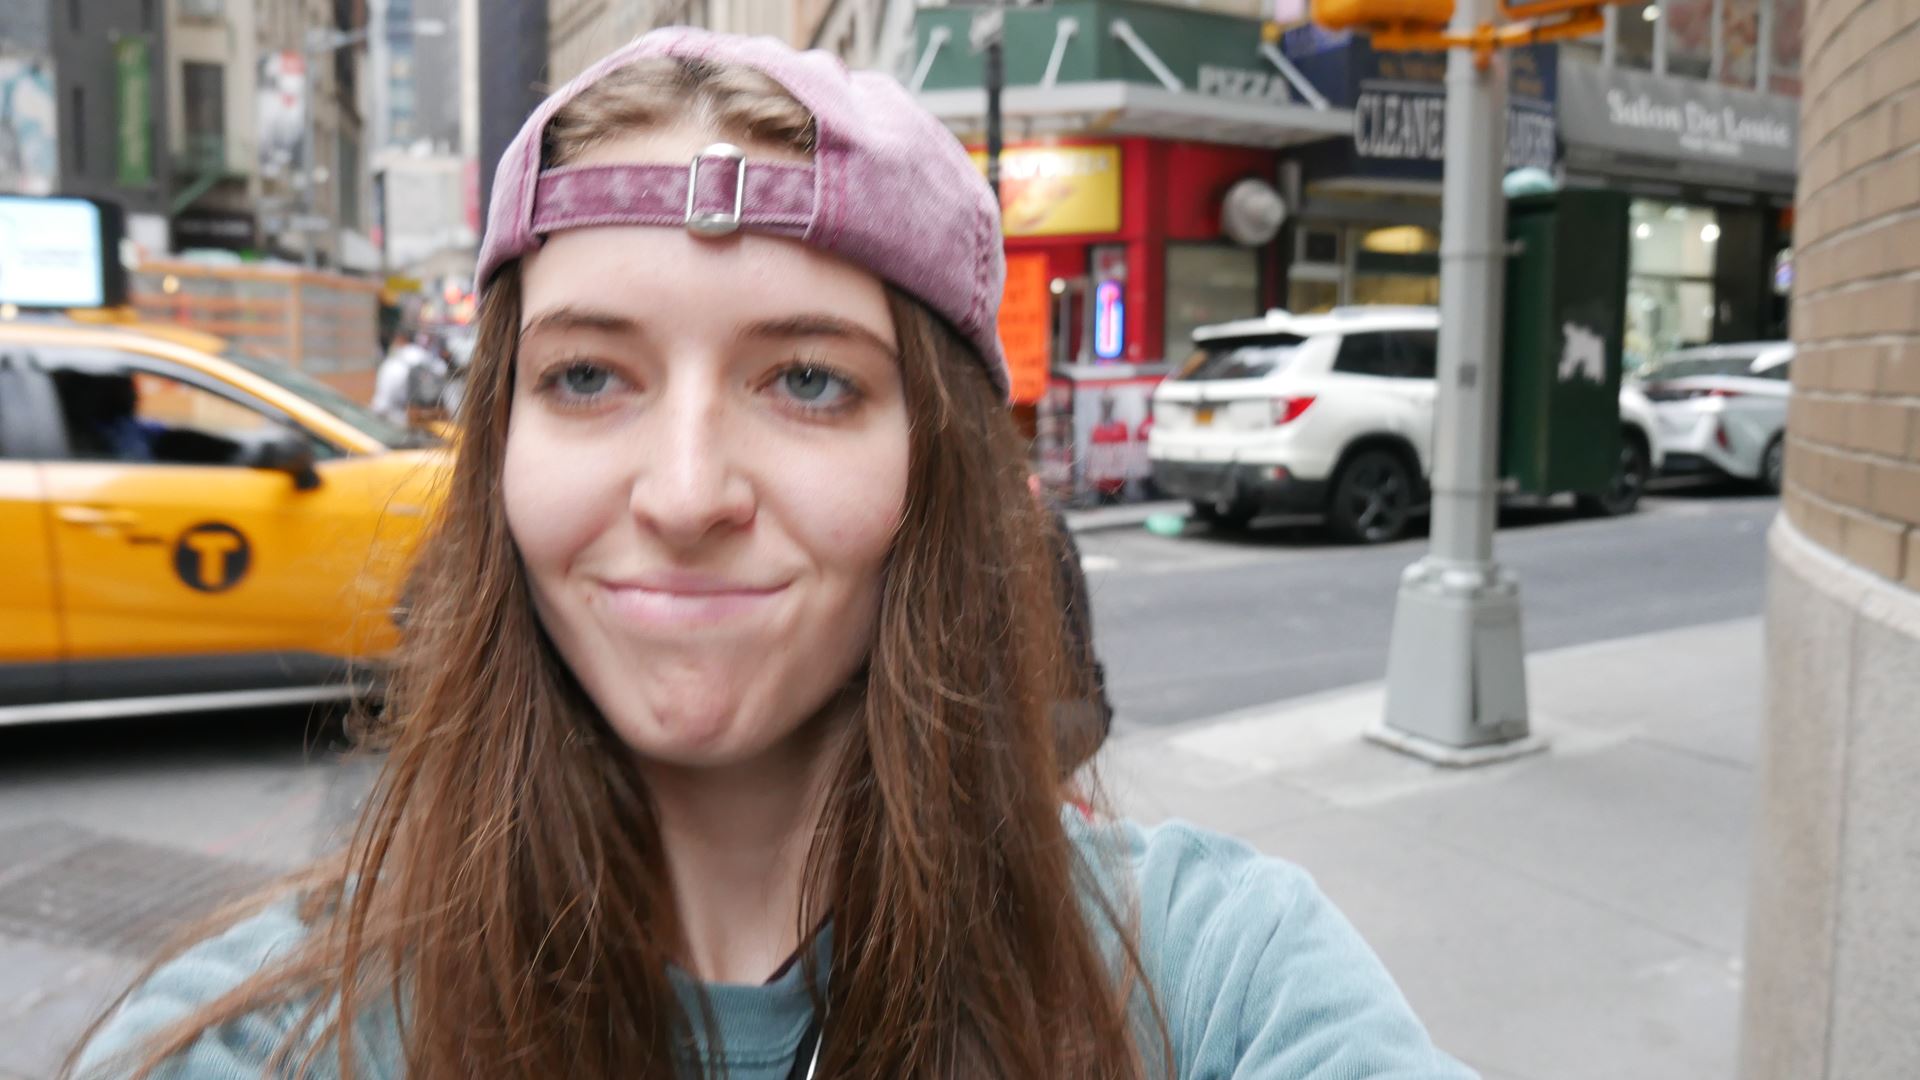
x=692, y=734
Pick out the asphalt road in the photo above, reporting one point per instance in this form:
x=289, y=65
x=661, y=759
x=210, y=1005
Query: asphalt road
x=1210, y=622
x=112, y=834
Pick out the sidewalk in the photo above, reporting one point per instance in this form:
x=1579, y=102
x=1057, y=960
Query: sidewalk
x=1577, y=915
x=1123, y=516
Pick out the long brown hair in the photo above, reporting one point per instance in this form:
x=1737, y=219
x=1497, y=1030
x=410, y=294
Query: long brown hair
x=504, y=889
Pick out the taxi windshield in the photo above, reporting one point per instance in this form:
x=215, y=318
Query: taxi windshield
x=365, y=420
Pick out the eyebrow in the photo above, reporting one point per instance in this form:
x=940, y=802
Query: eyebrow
x=818, y=325
x=576, y=318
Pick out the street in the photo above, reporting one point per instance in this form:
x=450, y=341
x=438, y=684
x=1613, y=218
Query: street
x=111, y=834
x=1213, y=622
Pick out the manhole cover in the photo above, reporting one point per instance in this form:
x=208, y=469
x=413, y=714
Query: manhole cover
x=114, y=894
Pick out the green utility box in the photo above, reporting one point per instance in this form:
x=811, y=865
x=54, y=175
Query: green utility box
x=1565, y=317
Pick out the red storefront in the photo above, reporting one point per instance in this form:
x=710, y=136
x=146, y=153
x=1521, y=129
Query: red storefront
x=1125, y=238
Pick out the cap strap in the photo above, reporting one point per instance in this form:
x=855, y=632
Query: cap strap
x=768, y=197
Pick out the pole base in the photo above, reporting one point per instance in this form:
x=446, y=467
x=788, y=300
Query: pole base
x=1456, y=668
x=1452, y=757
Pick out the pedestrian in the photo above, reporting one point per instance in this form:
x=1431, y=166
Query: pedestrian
x=721, y=737
x=393, y=380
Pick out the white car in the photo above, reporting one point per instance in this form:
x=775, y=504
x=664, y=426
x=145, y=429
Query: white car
x=1329, y=414
x=1723, y=409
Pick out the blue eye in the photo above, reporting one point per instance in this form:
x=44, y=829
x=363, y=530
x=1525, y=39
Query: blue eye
x=814, y=387
x=583, y=379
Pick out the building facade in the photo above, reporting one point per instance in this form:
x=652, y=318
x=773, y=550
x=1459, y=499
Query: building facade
x=83, y=106
x=1833, y=934
x=582, y=31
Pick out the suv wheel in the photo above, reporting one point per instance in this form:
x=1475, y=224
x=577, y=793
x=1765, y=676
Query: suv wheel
x=1629, y=482
x=1372, y=498
x=1773, y=464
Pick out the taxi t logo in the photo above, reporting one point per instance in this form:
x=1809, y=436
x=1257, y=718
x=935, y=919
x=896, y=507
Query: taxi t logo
x=211, y=557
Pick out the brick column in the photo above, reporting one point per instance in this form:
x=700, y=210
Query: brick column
x=1833, y=928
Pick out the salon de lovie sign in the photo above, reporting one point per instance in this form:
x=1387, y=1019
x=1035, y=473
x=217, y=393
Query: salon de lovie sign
x=1635, y=112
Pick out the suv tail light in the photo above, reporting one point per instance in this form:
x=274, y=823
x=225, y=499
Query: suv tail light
x=1287, y=410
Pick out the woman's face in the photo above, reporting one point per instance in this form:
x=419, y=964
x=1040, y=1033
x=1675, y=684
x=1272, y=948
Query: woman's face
x=705, y=466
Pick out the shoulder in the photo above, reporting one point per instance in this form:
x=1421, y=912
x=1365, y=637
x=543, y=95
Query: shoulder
x=191, y=981
x=1256, y=971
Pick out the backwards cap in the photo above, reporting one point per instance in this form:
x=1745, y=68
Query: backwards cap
x=888, y=188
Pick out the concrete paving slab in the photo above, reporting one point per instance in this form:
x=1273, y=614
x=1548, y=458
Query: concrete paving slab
x=1514, y=976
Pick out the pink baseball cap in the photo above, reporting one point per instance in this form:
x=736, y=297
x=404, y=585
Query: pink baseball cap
x=888, y=189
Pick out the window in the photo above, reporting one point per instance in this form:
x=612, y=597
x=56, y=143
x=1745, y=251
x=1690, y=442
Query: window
x=1244, y=358
x=204, y=88
x=1670, y=298
x=116, y=408
x=1405, y=354
x=1633, y=34
x=1690, y=37
x=1207, y=284
x=76, y=122
x=1739, y=40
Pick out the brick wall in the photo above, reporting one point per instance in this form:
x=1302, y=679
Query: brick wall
x=1853, y=431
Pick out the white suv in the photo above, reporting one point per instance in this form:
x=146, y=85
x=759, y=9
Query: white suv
x=1329, y=414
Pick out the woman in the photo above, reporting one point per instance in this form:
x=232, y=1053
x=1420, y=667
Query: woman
x=722, y=740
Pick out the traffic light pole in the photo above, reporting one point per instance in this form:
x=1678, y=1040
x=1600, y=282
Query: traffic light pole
x=1456, y=675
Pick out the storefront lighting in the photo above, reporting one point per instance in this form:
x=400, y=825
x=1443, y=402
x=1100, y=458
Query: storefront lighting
x=1059, y=286
x=170, y=284
x=8, y=312
x=1642, y=231
x=1651, y=12
x=1709, y=233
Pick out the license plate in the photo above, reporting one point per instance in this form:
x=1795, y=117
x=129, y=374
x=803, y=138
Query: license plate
x=1203, y=416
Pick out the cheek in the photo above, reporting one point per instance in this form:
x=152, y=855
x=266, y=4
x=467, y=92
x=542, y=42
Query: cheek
x=847, y=505
x=552, y=509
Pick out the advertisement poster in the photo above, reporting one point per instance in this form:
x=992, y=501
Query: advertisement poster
x=28, y=148
x=280, y=110
x=1093, y=427
x=1057, y=190
x=1024, y=326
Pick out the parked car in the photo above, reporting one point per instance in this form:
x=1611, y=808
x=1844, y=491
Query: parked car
x=1327, y=414
x=1723, y=409
x=186, y=528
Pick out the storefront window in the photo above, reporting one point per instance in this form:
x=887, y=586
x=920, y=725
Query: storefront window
x=1399, y=264
x=1310, y=297
x=1206, y=284
x=1689, y=38
x=1740, y=38
x=1670, y=300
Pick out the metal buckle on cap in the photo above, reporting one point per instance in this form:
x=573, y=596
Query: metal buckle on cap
x=717, y=222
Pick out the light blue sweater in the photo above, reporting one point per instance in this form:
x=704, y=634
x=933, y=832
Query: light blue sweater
x=1259, y=976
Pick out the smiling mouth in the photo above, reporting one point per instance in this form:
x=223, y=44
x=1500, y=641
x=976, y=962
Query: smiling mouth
x=677, y=605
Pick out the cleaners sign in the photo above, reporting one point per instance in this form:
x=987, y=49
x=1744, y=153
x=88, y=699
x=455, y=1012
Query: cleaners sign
x=1400, y=111
x=1399, y=103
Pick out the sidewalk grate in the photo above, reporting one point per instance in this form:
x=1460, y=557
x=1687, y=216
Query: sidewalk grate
x=103, y=892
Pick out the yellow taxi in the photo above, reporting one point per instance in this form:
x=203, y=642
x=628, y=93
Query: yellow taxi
x=186, y=528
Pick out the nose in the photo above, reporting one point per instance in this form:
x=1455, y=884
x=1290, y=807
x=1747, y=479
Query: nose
x=691, y=482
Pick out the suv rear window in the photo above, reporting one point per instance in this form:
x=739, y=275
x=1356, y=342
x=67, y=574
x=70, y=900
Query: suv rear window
x=1683, y=367
x=1241, y=358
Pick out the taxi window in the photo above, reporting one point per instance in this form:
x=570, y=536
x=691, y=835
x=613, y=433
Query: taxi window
x=362, y=418
x=117, y=407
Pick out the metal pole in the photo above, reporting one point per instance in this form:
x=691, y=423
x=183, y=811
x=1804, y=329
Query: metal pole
x=996, y=78
x=1456, y=681
x=310, y=199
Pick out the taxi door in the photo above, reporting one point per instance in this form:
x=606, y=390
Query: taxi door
x=185, y=568
x=31, y=651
